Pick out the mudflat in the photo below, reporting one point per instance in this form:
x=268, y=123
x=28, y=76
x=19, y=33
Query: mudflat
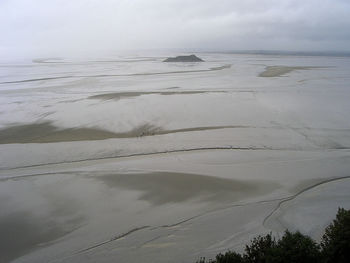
x=128, y=160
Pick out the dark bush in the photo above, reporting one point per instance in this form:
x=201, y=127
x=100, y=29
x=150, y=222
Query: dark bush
x=260, y=249
x=296, y=247
x=336, y=240
x=293, y=247
x=229, y=257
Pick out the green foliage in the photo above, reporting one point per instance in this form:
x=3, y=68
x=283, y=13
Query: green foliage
x=336, y=240
x=260, y=249
x=296, y=247
x=229, y=257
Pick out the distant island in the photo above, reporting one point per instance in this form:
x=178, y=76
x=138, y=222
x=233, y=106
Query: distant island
x=190, y=58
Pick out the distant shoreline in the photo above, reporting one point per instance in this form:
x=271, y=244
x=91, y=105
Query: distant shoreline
x=284, y=53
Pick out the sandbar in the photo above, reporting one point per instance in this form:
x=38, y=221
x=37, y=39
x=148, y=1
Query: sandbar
x=46, y=132
x=131, y=94
x=278, y=71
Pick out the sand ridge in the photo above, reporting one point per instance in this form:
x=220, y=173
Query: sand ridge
x=278, y=71
x=46, y=132
x=132, y=94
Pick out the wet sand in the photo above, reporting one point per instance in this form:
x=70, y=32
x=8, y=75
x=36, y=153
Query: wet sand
x=104, y=207
x=182, y=173
x=46, y=132
x=312, y=208
x=278, y=71
x=33, y=227
x=45, y=216
x=160, y=188
x=116, y=75
x=21, y=232
x=131, y=94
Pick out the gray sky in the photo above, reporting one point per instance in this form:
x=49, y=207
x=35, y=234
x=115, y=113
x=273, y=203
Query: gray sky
x=60, y=27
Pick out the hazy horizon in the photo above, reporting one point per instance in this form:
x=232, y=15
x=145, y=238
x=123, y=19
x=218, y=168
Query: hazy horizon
x=64, y=28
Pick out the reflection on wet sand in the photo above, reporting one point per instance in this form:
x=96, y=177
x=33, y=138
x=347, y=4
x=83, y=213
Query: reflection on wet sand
x=278, y=71
x=22, y=232
x=34, y=213
x=160, y=188
x=46, y=132
x=54, y=205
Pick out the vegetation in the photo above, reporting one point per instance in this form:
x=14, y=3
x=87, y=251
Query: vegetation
x=296, y=247
x=335, y=242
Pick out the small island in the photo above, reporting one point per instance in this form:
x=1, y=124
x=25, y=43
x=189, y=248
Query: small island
x=190, y=58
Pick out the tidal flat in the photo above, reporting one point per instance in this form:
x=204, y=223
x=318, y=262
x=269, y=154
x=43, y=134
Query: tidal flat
x=124, y=159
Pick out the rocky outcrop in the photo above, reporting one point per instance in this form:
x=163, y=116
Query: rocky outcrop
x=190, y=58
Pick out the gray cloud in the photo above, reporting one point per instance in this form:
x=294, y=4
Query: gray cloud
x=56, y=27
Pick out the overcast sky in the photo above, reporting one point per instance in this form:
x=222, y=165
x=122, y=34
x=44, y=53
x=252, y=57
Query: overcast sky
x=59, y=27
